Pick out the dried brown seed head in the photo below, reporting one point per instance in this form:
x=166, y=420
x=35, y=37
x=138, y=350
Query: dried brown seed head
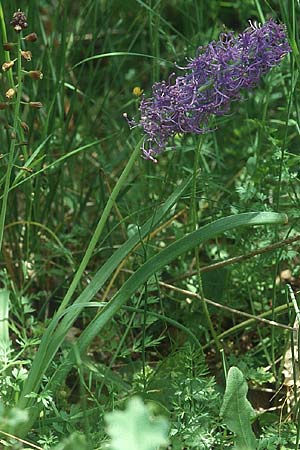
x=25, y=127
x=7, y=65
x=26, y=55
x=35, y=74
x=8, y=46
x=10, y=93
x=35, y=105
x=32, y=37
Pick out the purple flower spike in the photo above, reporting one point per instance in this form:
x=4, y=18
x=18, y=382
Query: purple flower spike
x=212, y=80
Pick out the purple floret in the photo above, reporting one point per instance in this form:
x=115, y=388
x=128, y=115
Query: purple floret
x=211, y=81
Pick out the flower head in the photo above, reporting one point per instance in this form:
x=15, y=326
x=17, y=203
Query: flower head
x=137, y=91
x=19, y=21
x=211, y=81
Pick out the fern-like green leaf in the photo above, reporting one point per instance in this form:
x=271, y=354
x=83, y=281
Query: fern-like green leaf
x=237, y=411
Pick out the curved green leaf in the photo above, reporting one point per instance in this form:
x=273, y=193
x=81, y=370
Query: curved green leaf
x=155, y=264
x=166, y=256
x=112, y=54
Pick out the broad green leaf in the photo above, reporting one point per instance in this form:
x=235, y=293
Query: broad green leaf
x=237, y=411
x=136, y=429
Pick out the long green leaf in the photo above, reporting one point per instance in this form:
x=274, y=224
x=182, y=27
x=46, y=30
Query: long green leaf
x=137, y=280
x=168, y=255
x=53, y=337
x=111, y=54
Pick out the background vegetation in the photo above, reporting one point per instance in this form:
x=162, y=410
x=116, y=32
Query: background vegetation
x=64, y=367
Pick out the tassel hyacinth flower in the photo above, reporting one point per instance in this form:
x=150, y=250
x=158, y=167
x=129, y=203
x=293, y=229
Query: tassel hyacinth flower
x=211, y=81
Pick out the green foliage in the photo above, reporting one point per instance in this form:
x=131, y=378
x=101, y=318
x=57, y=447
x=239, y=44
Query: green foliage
x=183, y=384
x=75, y=441
x=136, y=429
x=12, y=418
x=237, y=411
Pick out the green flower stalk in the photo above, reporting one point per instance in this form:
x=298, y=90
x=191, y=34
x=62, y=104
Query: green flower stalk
x=14, y=96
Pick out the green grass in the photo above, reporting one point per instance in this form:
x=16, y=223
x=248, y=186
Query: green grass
x=105, y=257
